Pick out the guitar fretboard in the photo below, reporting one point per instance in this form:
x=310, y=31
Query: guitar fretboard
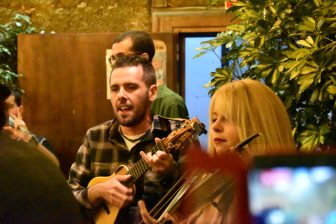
x=141, y=166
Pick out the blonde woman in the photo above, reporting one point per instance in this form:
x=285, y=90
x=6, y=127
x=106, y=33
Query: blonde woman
x=238, y=110
x=242, y=108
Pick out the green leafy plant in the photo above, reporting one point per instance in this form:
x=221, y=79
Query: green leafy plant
x=291, y=46
x=8, y=48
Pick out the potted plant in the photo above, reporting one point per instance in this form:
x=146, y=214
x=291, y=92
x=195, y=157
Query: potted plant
x=290, y=45
x=19, y=23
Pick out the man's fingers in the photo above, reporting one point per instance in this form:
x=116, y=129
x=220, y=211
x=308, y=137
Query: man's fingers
x=122, y=178
x=163, y=155
x=142, y=206
x=144, y=156
x=157, y=140
x=19, y=115
x=145, y=214
x=147, y=157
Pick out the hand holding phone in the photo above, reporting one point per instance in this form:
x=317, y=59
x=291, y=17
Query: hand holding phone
x=18, y=130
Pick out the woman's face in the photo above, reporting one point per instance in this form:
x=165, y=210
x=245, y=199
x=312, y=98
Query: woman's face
x=224, y=133
x=11, y=105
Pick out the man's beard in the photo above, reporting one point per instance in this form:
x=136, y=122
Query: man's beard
x=137, y=117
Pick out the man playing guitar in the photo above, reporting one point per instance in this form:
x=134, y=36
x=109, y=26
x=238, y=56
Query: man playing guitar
x=119, y=142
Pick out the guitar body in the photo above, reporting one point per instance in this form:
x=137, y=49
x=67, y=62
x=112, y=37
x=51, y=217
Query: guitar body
x=102, y=216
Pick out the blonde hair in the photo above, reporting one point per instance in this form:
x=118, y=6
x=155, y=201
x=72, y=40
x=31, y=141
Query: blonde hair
x=254, y=108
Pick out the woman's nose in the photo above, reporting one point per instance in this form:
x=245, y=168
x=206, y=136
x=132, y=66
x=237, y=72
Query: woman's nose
x=216, y=126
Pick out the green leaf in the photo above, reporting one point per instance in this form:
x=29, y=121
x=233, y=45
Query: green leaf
x=295, y=70
x=236, y=27
x=309, y=140
x=5, y=50
x=303, y=53
x=266, y=72
x=292, y=65
x=199, y=54
x=331, y=89
x=310, y=40
x=304, y=43
x=313, y=136
x=311, y=20
x=320, y=22
x=294, y=74
x=228, y=45
x=275, y=76
x=273, y=10
x=276, y=25
x=317, y=2
x=305, y=81
x=314, y=96
x=323, y=130
x=262, y=67
x=209, y=84
x=281, y=68
x=307, y=69
x=308, y=24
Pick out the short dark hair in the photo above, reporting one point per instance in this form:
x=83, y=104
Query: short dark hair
x=149, y=76
x=141, y=42
x=5, y=92
x=17, y=97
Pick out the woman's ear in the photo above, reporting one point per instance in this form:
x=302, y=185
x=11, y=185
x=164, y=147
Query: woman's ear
x=152, y=92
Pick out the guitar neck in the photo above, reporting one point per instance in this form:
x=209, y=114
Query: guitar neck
x=138, y=170
x=175, y=140
x=141, y=167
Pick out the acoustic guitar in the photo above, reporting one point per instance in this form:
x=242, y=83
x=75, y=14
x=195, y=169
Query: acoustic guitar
x=176, y=140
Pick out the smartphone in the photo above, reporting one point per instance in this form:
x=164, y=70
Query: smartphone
x=293, y=189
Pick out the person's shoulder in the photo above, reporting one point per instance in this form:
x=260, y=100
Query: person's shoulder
x=20, y=152
x=5, y=138
x=102, y=126
x=41, y=179
x=8, y=143
x=103, y=129
x=44, y=141
x=169, y=94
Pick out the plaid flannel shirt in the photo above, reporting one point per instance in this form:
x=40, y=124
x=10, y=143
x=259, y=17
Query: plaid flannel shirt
x=103, y=150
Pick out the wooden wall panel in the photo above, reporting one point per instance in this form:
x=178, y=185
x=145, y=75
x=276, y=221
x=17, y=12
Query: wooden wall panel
x=65, y=84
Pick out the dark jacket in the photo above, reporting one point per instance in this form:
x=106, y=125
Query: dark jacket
x=32, y=189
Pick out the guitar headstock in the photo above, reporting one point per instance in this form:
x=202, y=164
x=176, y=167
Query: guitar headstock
x=186, y=133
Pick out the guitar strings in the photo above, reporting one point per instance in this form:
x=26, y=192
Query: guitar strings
x=156, y=211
